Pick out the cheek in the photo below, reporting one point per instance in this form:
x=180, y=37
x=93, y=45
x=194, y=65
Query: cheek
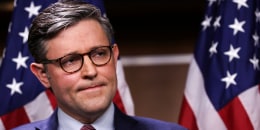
x=66, y=81
x=61, y=83
x=63, y=88
x=109, y=72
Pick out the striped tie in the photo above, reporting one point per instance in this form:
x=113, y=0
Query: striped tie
x=87, y=127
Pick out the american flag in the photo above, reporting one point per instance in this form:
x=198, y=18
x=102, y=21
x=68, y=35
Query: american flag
x=23, y=98
x=222, y=88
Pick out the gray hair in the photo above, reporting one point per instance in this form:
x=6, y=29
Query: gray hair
x=56, y=18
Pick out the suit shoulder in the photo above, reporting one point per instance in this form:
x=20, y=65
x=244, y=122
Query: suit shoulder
x=31, y=126
x=47, y=124
x=154, y=124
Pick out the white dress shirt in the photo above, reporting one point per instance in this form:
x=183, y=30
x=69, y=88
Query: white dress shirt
x=105, y=122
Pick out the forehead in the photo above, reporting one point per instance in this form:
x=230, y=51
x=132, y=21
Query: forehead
x=80, y=38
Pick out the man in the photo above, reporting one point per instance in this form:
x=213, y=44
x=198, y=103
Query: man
x=75, y=57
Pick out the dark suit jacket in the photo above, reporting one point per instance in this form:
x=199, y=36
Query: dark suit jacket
x=121, y=122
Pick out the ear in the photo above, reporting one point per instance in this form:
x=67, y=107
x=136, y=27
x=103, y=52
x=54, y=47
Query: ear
x=115, y=52
x=39, y=71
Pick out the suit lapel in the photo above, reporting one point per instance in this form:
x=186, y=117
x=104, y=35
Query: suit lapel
x=123, y=122
x=50, y=124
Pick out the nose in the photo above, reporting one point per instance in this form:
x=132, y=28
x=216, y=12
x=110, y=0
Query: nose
x=88, y=70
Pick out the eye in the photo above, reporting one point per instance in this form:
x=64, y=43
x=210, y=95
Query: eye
x=70, y=60
x=99, y=53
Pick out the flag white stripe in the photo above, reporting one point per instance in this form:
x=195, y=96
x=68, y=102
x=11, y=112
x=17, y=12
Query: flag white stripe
x=251, y=102
x=206, y=116
x=1, y=125
x=123, y=90
x=40, y=108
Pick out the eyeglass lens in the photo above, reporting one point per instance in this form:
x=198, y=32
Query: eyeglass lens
x=74, y=62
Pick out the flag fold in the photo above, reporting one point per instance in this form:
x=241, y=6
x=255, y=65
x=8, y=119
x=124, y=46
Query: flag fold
x=222, y=87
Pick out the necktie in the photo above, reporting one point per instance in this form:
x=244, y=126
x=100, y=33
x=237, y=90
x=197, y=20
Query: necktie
x=87, y=127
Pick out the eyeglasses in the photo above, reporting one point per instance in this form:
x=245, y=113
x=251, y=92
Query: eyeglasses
x=73, y=62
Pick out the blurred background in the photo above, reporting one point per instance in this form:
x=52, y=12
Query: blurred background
x=163, y=32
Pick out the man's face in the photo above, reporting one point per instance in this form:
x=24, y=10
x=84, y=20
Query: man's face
x=89, y=91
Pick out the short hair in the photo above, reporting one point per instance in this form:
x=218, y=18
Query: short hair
x=56, y=18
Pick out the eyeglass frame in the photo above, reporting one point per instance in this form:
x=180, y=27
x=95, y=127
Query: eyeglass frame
x=58, y=60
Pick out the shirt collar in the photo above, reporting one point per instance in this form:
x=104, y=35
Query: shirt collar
x=105, y=122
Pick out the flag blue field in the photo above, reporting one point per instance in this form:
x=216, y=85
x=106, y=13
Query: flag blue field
x=23, y=98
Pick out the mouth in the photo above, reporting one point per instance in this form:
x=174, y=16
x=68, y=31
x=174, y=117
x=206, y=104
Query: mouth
x=91, y=87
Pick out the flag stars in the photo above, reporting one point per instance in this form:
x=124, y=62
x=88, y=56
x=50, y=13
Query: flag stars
x=237, y=26
x=3, y=54
x=15, y=3
x=32, y=10
x=216, y=23
x=9, y=27
x=255, y=62
x=232, y=53
x=206, y=22
x=240, y=3
x=24, y=34
x=213, y=48
x=15, y=87
x=20, y=61
x=229, y=79
x=211, y=2
x=256, y=38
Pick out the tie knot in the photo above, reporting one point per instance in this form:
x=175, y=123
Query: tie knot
x=87, y=127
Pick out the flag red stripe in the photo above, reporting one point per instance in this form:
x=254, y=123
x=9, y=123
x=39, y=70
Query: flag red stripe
x=52, y=98
x=15, y=118
x=118, y=101
x=187, y=118
x=235, y=116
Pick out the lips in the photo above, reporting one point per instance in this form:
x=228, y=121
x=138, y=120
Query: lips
x=91, y=87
